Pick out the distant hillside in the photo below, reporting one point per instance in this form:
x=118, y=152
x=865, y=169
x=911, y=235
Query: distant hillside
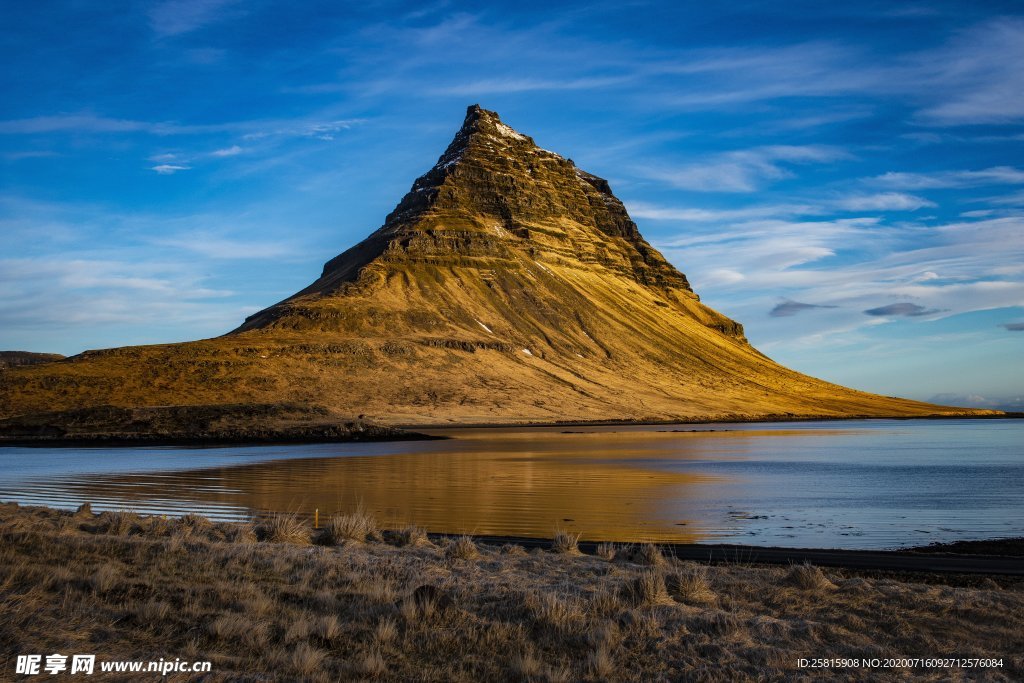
x=10, y=359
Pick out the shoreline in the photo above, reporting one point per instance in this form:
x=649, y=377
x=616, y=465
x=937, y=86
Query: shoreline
x=953, y=558
x=116, y=441
x=994, y=556
x=349, y=432
x=702, y=421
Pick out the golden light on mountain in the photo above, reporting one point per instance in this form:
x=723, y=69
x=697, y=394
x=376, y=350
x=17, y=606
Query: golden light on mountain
x=507, y=286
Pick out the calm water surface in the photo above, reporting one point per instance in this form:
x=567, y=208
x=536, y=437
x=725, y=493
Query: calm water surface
x=863, y=484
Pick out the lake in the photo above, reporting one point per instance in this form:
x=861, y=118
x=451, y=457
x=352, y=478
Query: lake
x=846, y=484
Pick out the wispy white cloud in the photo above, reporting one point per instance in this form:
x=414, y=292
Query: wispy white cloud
x=28, y=154
x=518, y=85
x=665, y=213
x=220, y=247
x=176, y=17
x=906, y=271
x=975, y=78
x=323, y=130
x=881, y=202
x=70, y=122
x=54, y=290
x=1013, y=199
x=886, y=201
x=996, y=175
x=169, y=169
x=972, y=78
x=231, y=151
x=250, y=129
x=743, y=170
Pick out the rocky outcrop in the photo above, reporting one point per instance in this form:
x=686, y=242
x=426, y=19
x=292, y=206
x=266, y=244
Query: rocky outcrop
x=12, y=359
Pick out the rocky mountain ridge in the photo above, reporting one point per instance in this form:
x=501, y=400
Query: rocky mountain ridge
x=508, y=285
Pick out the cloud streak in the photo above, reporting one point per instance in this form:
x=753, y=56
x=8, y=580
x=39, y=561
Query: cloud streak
x=788, y=308
x=997, y=175
x=744, y=170
x=903, y=309
x=176, y=17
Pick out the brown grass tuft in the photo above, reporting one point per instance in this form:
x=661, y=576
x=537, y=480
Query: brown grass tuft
x=372, y=664
x=606, y=551
x=559, y=673
x=716, y=623
x=306, y=659
x=606, y=602
x=600, y=663
x=808, y=577
x=566, y=542
x=557, y=613
x=300, y=629
x=354, y=527
x=646, y=588
x=153, y=611
x=527, y=665
x=229, y=627
x=690, y=585
x=194, y=524
x=328, y=628
x=413, y=536
x=117, y=522
x=386, y=631
x=648, y=554
x=284, y=528
x=243, y=533
x=106, y=578
x=462, y=548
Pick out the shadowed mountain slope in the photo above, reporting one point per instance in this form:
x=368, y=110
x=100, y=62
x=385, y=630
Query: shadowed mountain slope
x=507, y=285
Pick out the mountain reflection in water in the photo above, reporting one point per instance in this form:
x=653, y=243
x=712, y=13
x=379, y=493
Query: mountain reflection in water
x=846, y=484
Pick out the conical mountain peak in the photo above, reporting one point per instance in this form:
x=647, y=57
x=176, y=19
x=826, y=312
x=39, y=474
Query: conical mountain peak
x=494, y=194
x=507, y=285
x=481, y=124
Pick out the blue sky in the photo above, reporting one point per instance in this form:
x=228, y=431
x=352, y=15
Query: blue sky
x=847, y=181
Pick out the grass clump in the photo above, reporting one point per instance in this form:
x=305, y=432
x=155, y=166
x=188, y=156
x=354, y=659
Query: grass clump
x=646, y=588
x=690, y=585
x=285, y=528
x=412, y=536
x=462, y=548
x=566, y=543
x=354, y=527
x=808, y=577
x=554, y=612
x=645, y=553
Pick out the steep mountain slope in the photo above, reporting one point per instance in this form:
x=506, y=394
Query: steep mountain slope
x=508, y=285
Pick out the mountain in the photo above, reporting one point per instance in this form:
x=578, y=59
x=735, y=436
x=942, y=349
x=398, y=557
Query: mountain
x=508, y=285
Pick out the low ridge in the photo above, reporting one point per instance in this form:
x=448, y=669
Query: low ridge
x=508, y=285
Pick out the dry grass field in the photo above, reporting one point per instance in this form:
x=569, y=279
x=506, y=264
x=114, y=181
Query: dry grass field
x=277, y=601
